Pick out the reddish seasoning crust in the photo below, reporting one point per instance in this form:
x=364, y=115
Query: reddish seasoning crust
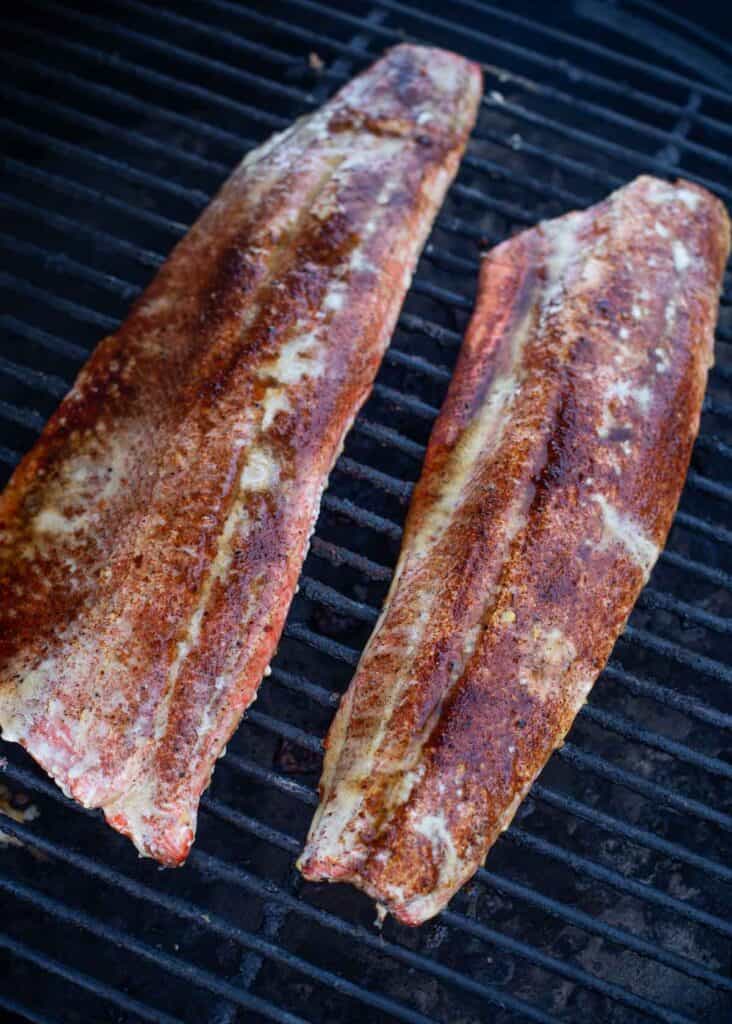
x=152, y=539
x=558, y=460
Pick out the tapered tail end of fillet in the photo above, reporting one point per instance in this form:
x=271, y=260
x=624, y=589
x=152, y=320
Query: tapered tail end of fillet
x=164, y=837
x=317, y=867
x=412, y=912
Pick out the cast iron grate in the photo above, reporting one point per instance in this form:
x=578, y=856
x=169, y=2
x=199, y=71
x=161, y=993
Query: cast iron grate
x=609, y=899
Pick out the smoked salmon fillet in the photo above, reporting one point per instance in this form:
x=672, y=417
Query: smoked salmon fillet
x=549, y=485
x=151, y=541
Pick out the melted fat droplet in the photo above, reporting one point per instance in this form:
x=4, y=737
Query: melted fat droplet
x=261, y=471
x=688, y=197
x=682, y=259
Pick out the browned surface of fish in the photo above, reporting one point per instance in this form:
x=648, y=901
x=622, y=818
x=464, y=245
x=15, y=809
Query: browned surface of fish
x=549, y=486
x=151, y=541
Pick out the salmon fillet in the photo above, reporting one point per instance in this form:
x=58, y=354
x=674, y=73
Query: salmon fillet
x=151, y=541
x=549, y=486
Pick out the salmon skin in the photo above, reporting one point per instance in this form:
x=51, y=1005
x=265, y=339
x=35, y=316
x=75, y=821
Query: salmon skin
x=549, y=485
x=151, y=541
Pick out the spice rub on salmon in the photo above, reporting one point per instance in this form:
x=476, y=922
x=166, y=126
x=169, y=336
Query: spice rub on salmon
x=549, y=485
x=151, y=541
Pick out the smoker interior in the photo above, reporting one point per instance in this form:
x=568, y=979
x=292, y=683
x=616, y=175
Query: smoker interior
x=609, y=898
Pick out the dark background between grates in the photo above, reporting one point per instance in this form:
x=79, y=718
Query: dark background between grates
x=609, y=898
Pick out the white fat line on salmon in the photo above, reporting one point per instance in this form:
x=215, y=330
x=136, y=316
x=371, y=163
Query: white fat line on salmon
x=296, y=360
x=332, y=818
x=208, y=718
x=237, y=519
x=482, y=436
x=275, y=401
x=435, y=828
x=628, y=533
x=682, y=259
x=622, y=390
x=661, y=354
x=283, y=224
x=562, y=250
x=259, y=471
x=485, y=432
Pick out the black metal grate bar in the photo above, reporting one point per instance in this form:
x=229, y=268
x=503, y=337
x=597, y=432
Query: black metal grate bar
x=572, y=71
x=625, y=727
x=173, y=965
x=689, y=27
x=708, y=572
x=652, y=790
x=344, y=48
x=586, y=45
x=459, y=921
x=577, y=103
x=134, y=138
x=594, y=925
x=66, y=224
x=690, y=706
x=25, y=1012
x=149, y=42
x=49, y=341
x=234, y=41
x=596, y=142
x=118, y=167
x=637, y=835
x=214, y=923
x=64, y=264
x=58, y=183
x=652, y=598
x=218, y=868
x=525, y=893
x=124, y=100
x=615, y=880
x=85, y=981
x=633, y=156
x=292, y=846
x=156, y=78
x=614, y=118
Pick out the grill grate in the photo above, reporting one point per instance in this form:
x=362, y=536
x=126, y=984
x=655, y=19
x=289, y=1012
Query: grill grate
x=610, y=897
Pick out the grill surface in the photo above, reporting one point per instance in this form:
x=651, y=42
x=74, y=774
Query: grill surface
x=609, y=899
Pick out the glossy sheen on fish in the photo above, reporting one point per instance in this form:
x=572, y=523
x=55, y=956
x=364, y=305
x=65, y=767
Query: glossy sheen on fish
x=548, y=489
x=152, y=539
